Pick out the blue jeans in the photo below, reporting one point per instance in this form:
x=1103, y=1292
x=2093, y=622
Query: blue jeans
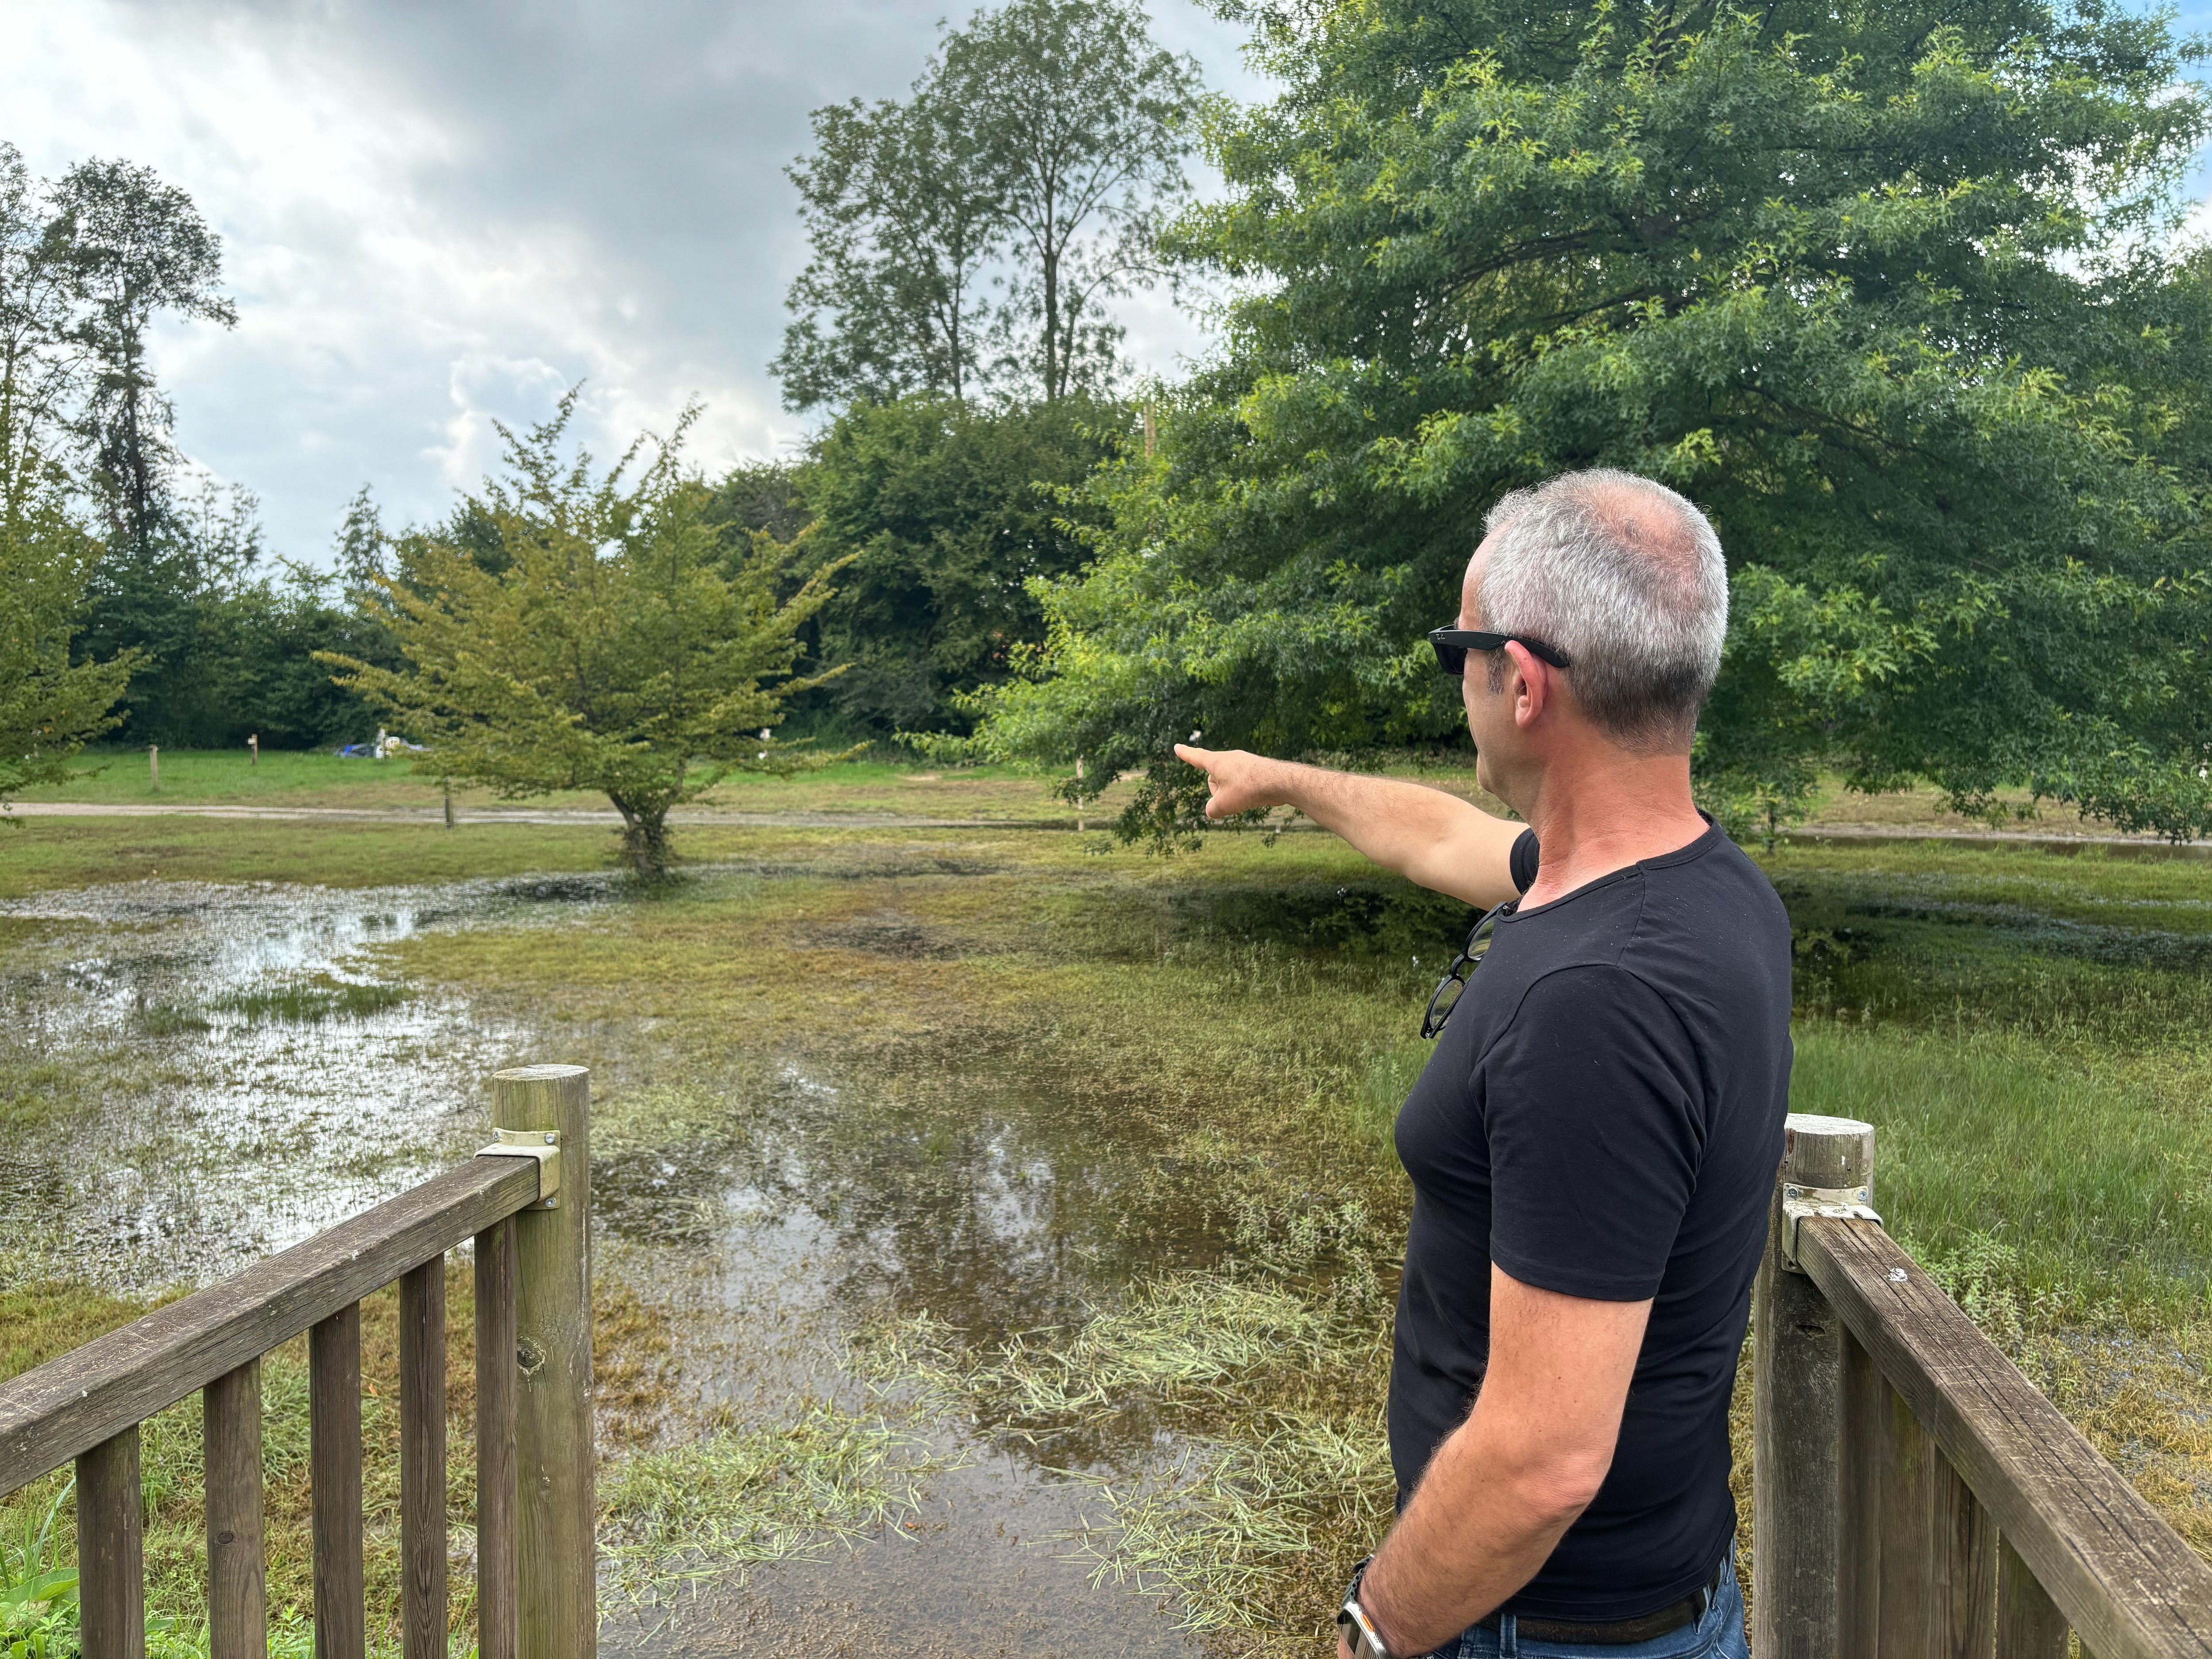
x=1718, y=1635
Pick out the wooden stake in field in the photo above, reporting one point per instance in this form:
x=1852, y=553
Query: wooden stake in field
x=449, y=802
x=253, y=748
x=154, y=763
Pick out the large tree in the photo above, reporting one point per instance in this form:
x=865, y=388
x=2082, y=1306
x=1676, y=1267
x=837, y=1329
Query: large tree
x=135, y=249
x=41, y=363
x=1086, y=125
x=971, y=236
x=618, y=644
x=946, y=512
x=1892, y=290
x=904, y=215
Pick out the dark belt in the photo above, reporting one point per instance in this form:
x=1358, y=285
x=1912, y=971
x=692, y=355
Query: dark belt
x=1617, y=1632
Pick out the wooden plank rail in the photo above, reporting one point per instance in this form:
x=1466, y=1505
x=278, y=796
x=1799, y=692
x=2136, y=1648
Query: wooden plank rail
x=525, y=1202
x=1917, y=1498
x=2120, y=1575
x=67, y=1405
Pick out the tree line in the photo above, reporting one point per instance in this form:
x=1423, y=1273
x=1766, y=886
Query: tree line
x=1901, y=297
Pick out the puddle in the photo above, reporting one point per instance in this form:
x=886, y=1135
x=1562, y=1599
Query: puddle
x=228, y=1069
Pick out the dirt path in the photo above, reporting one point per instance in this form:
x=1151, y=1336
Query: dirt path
x=2138, y=846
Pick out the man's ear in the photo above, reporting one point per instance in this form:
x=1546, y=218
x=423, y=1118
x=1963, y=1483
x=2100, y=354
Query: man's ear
x=1530, y=685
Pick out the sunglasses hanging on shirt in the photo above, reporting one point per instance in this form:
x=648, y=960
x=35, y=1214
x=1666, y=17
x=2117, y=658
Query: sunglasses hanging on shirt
x=1463, y=970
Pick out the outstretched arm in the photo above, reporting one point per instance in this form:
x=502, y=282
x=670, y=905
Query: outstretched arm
x=1431, y=838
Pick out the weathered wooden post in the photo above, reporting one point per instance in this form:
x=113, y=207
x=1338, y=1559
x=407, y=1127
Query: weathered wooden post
x=154, y=764
x=111, y=1549
x=558, y=1564
x=238, y=1597
x=1796, y=1399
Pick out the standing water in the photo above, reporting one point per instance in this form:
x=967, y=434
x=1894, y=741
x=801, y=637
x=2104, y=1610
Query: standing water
x=225, y=1070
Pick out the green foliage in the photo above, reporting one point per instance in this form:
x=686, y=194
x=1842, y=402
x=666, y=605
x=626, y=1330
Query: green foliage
x=174, y=578
x=38, y=1594
x=1888, y=290
x=946, y=511
x=226, y=646
x=133, y=248
x=903, y=213
x=49, y=707
x=1032, y=161
x=618, y=636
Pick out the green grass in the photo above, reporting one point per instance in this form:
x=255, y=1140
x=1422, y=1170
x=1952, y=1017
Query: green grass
x=44, y=855
x=313, y=999
x=710, y=1507
x=196, y=777
x=2098, y=1194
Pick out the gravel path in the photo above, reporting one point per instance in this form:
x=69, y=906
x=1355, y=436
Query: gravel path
x=1818, y=832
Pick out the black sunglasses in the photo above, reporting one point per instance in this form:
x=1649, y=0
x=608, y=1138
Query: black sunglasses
x=1453, y=644
x=1462, y=970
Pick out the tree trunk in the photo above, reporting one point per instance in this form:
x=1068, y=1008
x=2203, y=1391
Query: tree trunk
x=645, y=840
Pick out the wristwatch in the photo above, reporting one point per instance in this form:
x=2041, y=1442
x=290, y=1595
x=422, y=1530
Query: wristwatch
x=1355, y=1626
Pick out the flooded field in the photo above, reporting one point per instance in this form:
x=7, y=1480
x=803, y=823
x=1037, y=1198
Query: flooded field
x=824, y=1200
x=996, y=1235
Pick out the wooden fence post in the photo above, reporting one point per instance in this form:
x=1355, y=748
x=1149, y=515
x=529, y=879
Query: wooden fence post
x=238, y=1597
x=111, y=1550
x=1796, y=1366
x=423, y=1603
x=334, y=1483
x=557, y=1568
x=495, y=1488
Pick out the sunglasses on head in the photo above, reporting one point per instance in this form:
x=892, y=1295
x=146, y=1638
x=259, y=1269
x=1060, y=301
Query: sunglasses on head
x=1452, y=644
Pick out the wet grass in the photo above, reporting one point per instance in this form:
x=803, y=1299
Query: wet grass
x=312, y=999
x=42, y=854
x=1182, y=1074
x=706, y=1510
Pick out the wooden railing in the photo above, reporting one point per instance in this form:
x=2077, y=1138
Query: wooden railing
x=526, y=1204
x=1915, y=1496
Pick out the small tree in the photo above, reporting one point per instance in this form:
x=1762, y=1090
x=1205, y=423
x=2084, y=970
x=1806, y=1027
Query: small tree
x=623, y=639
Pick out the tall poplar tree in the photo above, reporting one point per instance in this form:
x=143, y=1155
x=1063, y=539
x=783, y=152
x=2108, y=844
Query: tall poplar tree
x=970, y=237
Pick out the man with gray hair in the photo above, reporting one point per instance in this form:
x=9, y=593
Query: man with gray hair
x=1593, y=1144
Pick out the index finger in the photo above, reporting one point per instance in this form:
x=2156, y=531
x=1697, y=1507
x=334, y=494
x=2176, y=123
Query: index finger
x=1194, y=757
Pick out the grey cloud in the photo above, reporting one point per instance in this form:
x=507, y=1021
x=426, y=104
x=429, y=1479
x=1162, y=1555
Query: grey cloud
x=517, y=197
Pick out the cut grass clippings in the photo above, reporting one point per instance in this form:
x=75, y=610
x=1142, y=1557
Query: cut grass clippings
x=708, y=1510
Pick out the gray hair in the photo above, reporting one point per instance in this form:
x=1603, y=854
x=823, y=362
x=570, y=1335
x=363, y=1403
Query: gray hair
x=1625, y=577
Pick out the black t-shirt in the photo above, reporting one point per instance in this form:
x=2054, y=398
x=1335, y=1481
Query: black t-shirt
x=1602, y=1117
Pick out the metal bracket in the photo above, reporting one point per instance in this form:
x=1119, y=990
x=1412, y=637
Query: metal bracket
x=544, y=1146
x=1840, y=1203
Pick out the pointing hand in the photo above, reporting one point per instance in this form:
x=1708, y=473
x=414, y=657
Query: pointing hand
x=1241, y=782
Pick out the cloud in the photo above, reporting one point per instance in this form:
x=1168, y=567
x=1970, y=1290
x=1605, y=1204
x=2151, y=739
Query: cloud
x=438, y=214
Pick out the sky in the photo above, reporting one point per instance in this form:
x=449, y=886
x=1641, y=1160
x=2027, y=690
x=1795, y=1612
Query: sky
x=436, y=214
